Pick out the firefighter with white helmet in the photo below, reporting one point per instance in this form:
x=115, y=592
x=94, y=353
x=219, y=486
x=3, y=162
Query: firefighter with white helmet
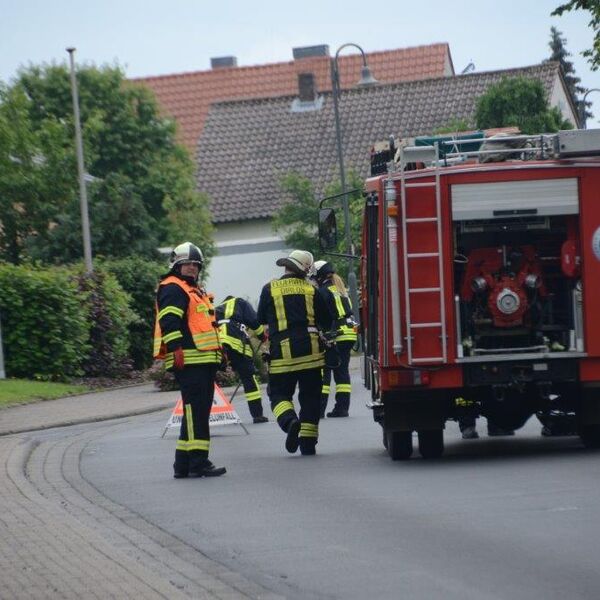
x=186, y=337
x=333, y=290
x=294, y=312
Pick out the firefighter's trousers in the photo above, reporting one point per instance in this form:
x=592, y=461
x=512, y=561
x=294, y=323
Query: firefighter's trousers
x=244, y=367
x=341, y=375
x=281, y=391
x=197, y=384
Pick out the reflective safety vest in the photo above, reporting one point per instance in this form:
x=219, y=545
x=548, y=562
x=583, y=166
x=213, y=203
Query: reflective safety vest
x=295, y=341
x=200, y=321
x=344, y=323
x=234, y=317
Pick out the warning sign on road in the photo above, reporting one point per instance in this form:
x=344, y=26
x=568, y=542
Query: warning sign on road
x=221, y=413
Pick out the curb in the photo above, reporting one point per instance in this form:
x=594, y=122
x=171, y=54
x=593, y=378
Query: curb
x=83, y=420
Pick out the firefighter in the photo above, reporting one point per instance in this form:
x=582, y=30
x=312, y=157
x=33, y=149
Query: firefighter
x=332, y=288
x=468, y=429
x=235, y=316
x=294, y=312
x=186, y=337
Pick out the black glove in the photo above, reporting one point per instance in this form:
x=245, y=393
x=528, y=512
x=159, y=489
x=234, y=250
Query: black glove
x=266, y=356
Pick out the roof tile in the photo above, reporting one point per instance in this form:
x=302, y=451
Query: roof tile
x=187, y=96
x=247, y=146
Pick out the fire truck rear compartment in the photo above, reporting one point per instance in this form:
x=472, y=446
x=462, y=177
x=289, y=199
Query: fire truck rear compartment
x=517, y=288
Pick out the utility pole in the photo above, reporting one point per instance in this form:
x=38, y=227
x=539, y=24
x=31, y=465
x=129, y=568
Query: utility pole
x=85, y=221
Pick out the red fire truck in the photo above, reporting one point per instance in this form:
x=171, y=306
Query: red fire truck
x=480, y=287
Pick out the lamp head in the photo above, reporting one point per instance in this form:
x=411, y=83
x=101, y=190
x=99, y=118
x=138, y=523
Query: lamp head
x=366, y=77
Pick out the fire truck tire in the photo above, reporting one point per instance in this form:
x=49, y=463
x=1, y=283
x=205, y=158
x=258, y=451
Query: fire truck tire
x=590, y=435
x=398, y=444
x=431, y=443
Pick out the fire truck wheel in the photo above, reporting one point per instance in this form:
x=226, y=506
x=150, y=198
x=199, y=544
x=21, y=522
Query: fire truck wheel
x=431, y=443
x=398, y=444
x=590, y=436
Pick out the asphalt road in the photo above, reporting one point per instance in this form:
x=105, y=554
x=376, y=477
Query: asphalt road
x=495, y=518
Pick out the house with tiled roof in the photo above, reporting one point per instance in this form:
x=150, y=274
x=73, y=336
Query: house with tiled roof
x=186, y=97
x=246, y=146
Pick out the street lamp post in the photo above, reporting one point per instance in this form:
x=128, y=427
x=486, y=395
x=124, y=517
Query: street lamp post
x=582, y=118
x=85, y=220
x=366, y=79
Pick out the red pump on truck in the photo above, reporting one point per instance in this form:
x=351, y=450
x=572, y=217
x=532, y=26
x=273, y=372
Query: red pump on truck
x=480, y=286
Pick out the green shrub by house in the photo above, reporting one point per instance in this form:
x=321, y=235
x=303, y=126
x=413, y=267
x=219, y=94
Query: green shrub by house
x=44, y=323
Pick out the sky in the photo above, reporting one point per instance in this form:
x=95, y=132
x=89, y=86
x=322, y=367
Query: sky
x=152, y=37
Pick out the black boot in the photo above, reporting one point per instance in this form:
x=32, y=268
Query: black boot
x=205, y=468
x=181, y=466
x=308, y=446
x=291, y=441
x=494, y=431
x=338, y=412
x=260, y=419
x=179, y=472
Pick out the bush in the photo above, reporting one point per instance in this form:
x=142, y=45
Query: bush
x=44, y=323
x=227, y=377
x=139, y=278
x=164, y=380
x=109, y=319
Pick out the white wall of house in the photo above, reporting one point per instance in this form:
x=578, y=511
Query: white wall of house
x=559, y=97
x=245, y=259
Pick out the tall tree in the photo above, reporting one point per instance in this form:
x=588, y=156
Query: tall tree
x=593, y=7
x=560, y=54
x=129, y=149
x=37, y=175
x=297, y=218
x=520, y=102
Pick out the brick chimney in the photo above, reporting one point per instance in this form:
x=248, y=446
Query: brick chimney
x=222, y=62
x=310, y=51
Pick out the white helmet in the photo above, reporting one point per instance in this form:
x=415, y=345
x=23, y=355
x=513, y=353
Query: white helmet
x=321, y=269
x=299, y=261
x=186, y=253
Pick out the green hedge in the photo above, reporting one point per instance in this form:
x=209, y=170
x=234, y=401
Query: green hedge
x=44, y=323
x=139, y=278
x=109, y=318
x=59, y=323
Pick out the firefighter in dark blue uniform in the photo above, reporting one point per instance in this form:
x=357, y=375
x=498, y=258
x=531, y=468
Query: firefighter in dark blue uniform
x=185, y=337
x=235, y=317
x=294, y=314
x=333, y=290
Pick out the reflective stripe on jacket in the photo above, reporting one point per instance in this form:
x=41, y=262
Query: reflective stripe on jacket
x=342, y=313
x=292, y=310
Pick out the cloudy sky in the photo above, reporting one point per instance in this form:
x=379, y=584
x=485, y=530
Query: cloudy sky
x=152, y=37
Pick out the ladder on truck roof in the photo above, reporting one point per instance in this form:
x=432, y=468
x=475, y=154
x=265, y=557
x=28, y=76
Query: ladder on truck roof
x=423, y=260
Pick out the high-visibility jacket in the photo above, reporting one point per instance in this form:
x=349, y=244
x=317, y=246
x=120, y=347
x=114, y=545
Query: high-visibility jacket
x=185, y=318
x=294, y=313
x=341, y=312
x=234, y=317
